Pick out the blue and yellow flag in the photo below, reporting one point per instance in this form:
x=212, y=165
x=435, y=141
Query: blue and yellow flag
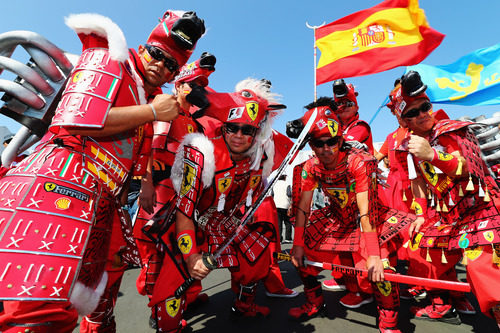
x=473, y=79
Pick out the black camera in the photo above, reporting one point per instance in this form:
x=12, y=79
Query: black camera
x=340, y=88
x=412, y=84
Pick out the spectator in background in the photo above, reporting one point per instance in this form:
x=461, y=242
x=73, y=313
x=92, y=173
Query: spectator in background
x=282, y=196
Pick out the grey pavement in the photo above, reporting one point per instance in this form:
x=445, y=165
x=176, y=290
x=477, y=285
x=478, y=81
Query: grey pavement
x=132, y=313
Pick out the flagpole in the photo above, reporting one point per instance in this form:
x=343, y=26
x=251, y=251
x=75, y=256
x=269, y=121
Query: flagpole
x=314, y=27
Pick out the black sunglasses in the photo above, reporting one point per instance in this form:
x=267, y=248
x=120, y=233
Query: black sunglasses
x=329, y=142
x=157, y=54
x=245, y=129
x=347, y=103
x=425, y=107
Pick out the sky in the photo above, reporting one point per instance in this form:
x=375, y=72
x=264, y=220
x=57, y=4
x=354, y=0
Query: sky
x=269, y=39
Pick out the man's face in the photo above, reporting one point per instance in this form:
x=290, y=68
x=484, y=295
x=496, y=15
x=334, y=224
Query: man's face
x=239, y=137
x=184, y=88
x=326, y=149
x=155, y=70
x=346, y=110
x=417, y=116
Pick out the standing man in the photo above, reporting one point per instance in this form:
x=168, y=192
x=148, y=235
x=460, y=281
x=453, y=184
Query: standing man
x=355, y=129
x=347, y=227
x=218, y=179
x=65, y=196
x=455, y=199
x=282, y=199
x=157, y=192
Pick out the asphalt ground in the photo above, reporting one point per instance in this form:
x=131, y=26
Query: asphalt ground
x=132, y=313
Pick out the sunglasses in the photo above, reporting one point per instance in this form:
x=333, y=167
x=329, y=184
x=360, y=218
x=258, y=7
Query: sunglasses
x=245, y=129
x=329, y=142
x=426, y=107
x=346, y=103
x=157, y=54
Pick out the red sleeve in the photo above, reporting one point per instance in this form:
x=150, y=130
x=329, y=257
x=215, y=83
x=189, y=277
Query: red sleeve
x=309, y=181
x=384, y=150
x=359, y=133
x=450, y=144
x=357, y=167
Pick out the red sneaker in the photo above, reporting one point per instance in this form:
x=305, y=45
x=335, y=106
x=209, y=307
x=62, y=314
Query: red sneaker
x=445, y=313
x=283, y=293
x=333, y=285
x=416, y=293
x=463, y=305
x=355, y=300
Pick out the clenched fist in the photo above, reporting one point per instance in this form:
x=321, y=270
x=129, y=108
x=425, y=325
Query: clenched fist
x=166, y=106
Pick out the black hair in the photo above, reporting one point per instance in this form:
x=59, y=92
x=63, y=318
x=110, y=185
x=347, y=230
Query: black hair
x=323, y=101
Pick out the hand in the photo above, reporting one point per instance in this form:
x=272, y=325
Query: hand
x=421, y=148
x=375, y=269
x=147, y=196
x=416, y=225
x=196, y=267
x=166, y=106
x=297, y=256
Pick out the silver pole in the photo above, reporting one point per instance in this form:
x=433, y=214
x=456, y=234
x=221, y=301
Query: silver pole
x=314, y=27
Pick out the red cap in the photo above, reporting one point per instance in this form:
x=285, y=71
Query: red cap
x=326, y=124
x=177, y=34
x=351, y=95
x=199, y=69
x=399, y=100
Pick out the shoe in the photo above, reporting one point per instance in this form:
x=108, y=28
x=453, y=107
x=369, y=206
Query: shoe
x=314, y=305
x=333, y=285
x=463, y=306
x=152, y=322
x=355, y=300
x=283, y=293
x=444, y=313
x=416, y=293
x=249, y=310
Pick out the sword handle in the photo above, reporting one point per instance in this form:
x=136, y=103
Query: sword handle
x=208, y=261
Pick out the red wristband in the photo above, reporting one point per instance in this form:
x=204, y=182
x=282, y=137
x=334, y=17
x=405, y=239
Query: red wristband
x=186, y=241
x=444, y=161
x=420, y=206
x=371, y=243
x=298, y=237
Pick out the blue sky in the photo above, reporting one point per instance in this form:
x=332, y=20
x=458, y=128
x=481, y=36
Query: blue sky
x=269, y=38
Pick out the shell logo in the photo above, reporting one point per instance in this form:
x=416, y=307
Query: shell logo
x=62, y=203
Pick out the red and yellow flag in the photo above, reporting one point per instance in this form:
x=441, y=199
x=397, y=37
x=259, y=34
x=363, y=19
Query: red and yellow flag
x=393, y=33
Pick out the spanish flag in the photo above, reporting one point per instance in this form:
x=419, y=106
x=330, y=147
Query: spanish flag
x=393, y=33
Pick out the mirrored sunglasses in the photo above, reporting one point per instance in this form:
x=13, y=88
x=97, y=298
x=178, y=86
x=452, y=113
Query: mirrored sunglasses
x=158, y=55
x=318, y=143
x=425, y=107
x=245, y=129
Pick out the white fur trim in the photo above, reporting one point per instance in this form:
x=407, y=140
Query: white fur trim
x=86, y=299
x=139, y=84
x=202, y=143
x=103, y=27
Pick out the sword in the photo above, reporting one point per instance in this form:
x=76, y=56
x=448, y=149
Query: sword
x=210, y=260
x=392, y=277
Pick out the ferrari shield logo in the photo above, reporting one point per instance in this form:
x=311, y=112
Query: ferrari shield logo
x=224, y=183
x=252, y=110
x=333, y=126
x=172, y=306
x=340, y=195
x=489, y=236
x=413, y=245
x=474, y=254
x=185, y=243
x=254, y=181
x=188, y=179
x=418, y=208
x=392, y=220
x=77, y=77
x=190, y=128
x=49, y=187
x=385, y=287
x=444, y=156
x=429, y=172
